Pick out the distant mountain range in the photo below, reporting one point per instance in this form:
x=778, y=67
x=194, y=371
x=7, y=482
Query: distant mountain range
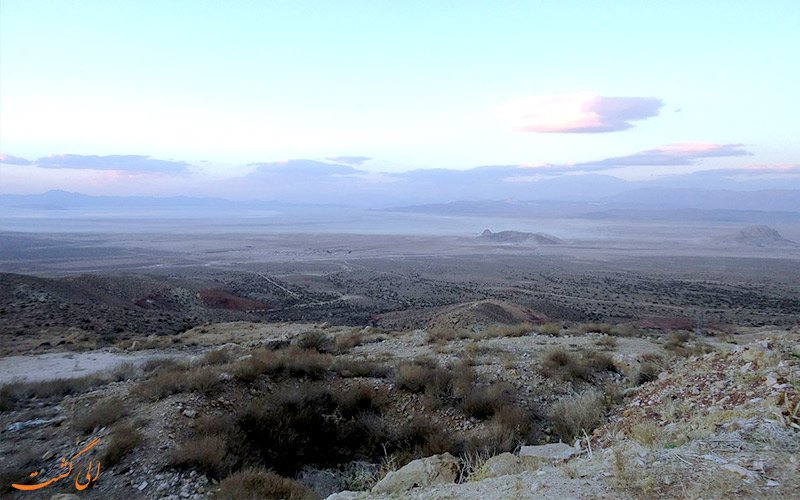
x=644, y=203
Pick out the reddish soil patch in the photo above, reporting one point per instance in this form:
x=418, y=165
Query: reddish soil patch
x=220, y=299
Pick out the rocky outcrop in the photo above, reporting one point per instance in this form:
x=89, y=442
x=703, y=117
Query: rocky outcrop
x=547, y=453
x=519, y=237
x=438, y=469
x=757, y=236
x=500, y=465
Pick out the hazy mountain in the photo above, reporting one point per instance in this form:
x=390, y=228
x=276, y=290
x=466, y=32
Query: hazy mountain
x=757, y=236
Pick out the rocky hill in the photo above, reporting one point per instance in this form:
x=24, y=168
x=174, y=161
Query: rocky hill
x=757, y=236
x=519, y=237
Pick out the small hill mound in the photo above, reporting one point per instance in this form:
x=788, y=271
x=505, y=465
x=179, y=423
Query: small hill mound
x=484, y=313
x=519, y=237
x=757, y=236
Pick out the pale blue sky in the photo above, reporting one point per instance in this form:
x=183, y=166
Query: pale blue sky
x=410, y=84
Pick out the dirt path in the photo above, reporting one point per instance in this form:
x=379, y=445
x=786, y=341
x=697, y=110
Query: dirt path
x=39, y=367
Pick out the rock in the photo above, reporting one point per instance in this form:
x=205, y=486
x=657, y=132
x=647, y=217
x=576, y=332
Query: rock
x=347, y=495
x=557, y=452
x=48, y=455
x=752, y=353
x=739, y=470
x=438, y=469
x=64, y=496
x=142, y=486
x=627, y=365
x=189, y=413
x=796, y=350
x=500, y=465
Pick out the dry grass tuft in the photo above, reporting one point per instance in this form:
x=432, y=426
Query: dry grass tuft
x=561, y=364
x=208, y=454
x=17, y=393
x=572, y=415
x=518, y=330
x=124, y=438
x=292, y=362
x=254, y=484
x=553, y=329
x=104, y=413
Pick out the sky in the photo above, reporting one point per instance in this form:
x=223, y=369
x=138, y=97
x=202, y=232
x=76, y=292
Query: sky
x=195, y=97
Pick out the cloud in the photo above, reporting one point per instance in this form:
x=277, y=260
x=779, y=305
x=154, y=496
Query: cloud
x=681, y=154
x=582, y=112
x=121, y=163
x=302, y=168
x=350, y=160
x=685, y=153
x=13, y=160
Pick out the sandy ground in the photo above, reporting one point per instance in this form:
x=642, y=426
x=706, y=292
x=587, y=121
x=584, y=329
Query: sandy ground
x=39, y=367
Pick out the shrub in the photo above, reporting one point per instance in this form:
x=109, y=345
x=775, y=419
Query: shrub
x=419, y=438
x=124, y=438
x=104, y=413
x=16, y=393
x=209, y=454
x=314, y=339
x=290, y=362
x=347, y=368
x=573, y=414
x=441, y=334
x=424, y=375
x=217, y=357
x=483, y=402
x=517, y=330
x=312, y=426
x=650, y=366
x=205, y=379
x=167, y=381
x=598, y=361
x=564, y=365
x=553, y=329
x=595, y=328
x=253, y=484
x=607, y=341
x=345, y=342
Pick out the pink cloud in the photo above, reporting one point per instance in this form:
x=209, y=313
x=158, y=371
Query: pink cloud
x=582, y=112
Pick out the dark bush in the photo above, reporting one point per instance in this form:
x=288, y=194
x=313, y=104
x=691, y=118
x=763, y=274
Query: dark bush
x=255, y=484
x=312, y=426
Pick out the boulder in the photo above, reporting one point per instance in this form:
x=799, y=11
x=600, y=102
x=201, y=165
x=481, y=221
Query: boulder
x=347, y=495
x=627, y=365
x=438, y=469
x=500, y=465
x=64, y=496
x=547, y=453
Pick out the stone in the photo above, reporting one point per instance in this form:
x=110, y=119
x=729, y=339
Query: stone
x=346, y=495
x=556, y=452
x=189, y=413
x=64, y=496
x=142, y=486
x=500, y=465
x=739, y=470
x=752, y=354
x=438, y=469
